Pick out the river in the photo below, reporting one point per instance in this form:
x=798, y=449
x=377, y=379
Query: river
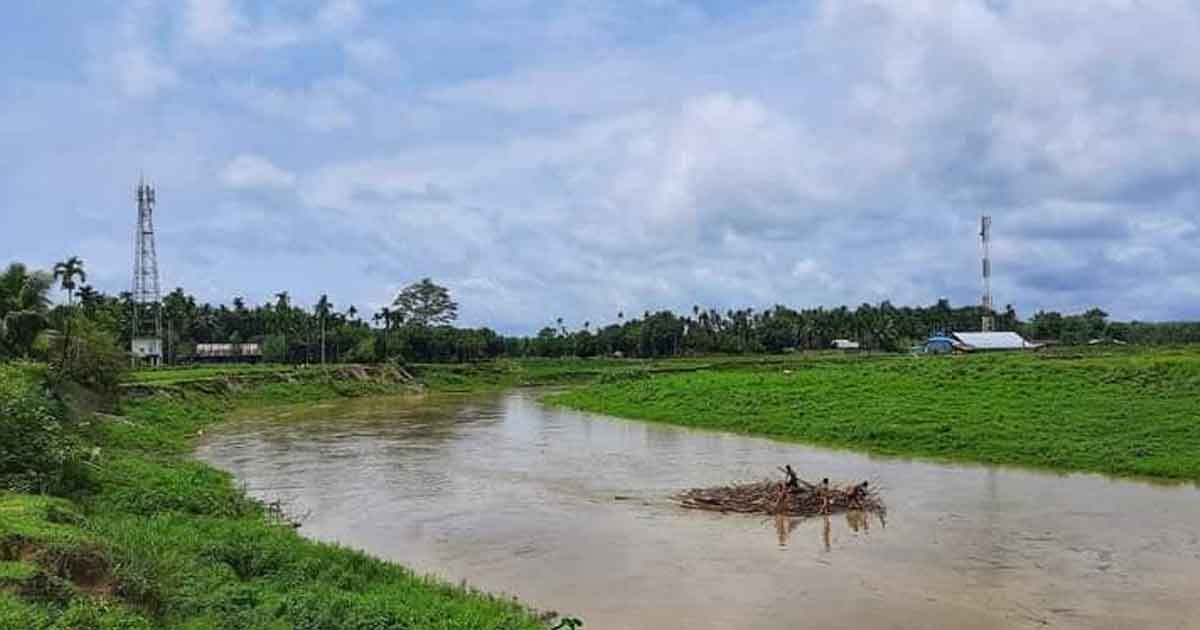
x=571, y=512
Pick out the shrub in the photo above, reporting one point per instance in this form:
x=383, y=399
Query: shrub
x=37, y=453
x=94, y=359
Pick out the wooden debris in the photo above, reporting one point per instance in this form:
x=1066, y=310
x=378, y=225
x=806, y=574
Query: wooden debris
x=792, y=497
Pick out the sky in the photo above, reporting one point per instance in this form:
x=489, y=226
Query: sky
x=576, y=159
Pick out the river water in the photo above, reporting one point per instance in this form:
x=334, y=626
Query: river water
x=571, y=512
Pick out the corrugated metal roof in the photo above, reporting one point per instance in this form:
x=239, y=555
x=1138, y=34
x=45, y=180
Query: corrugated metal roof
x=993, y=340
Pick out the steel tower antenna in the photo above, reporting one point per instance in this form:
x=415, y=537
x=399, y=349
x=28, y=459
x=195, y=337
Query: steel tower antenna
x=985, y=238
x=146, y=337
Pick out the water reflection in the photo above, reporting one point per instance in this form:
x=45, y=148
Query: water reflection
x=572, y=511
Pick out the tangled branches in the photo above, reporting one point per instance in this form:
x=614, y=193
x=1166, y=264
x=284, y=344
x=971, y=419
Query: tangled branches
x=791, y=497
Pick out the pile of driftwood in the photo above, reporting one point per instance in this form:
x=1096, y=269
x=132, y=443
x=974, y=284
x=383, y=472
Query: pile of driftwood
x=792, y=496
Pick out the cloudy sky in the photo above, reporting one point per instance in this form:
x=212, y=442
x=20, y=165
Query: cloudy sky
x=574, y=159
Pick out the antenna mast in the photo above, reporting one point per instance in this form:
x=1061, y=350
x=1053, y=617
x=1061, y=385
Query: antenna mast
x=985, y=237
x=146, y=322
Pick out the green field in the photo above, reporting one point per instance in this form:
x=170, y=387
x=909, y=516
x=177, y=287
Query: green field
x=1134, y=412
x=141, y=536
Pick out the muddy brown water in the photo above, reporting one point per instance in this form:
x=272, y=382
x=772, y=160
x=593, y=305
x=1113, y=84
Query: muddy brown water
x=571, y=512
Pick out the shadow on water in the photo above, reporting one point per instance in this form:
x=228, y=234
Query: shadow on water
x=573, y=512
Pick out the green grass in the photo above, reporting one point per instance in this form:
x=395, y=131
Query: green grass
x=505, y=373
x=157, y=540
x=1131, y=412
x=174, y=375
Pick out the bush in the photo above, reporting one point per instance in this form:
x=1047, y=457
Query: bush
x=362, y=352
x=37, y=453
x=93, y=359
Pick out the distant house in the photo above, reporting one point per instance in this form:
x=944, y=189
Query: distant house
x=844, y=344
x=227, y=352
x=993, y=341
x=941, y=344
x=976, y=342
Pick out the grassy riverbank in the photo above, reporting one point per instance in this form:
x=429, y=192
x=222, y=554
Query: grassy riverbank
x=141, y=536
x=1131, y=413
x=119, y=528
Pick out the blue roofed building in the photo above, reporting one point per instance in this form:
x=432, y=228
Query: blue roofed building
x=945, y=343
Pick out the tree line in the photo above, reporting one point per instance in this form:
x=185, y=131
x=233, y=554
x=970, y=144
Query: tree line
x=418, y=326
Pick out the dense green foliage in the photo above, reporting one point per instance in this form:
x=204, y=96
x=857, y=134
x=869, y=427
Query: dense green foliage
x=1126, y=413
x=423, y=304
x=24, y=304
x=156, y=540
x=38, y=452
x=416, y=327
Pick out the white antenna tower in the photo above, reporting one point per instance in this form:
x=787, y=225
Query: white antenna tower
x=985, y=236
x=146, y=322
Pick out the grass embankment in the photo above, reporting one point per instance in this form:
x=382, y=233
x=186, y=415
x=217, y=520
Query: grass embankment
x=151, y=539
x=1134, y=413
x=457, y=377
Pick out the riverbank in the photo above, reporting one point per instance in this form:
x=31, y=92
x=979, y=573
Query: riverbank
x=1129, y=413
x=142, y=536
x=136, y=534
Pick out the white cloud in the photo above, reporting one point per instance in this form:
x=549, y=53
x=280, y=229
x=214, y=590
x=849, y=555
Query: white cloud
x=340, y=14
x=370, y=52
x=326, y=105
x=138, y=71
x=255, y=171
x=124, y=56
x=222, y=25
x=211, y=22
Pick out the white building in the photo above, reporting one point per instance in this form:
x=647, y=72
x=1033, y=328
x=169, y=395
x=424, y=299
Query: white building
x=972, y=341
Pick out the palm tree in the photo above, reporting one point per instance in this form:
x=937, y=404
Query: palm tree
x=283, y=319
x=88, y=297
x=323, y=308
x=67, y=272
